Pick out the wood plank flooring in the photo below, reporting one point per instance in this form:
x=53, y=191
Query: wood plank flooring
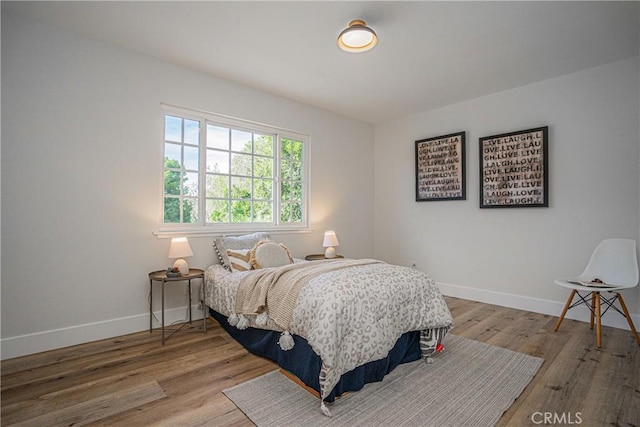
x=135, y=381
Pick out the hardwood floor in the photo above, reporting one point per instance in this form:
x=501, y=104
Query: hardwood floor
x=134, y=381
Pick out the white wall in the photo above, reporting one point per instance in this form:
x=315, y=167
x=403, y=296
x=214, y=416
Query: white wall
x=511, y=256
x=82, y=175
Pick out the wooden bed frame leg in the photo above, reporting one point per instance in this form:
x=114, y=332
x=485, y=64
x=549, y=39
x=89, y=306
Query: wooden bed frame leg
x=566, y=307
x=626, y=314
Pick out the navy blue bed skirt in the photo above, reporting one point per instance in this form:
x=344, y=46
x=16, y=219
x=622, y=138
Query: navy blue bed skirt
x=305, y=364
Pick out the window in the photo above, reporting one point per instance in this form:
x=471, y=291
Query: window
x=226, y=174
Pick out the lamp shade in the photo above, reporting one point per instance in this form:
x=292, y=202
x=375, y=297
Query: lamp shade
x=330, y=239
x=357, y=37
x=180, y=248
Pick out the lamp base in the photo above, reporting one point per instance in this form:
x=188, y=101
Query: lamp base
x=181, y=265
x=330, y=252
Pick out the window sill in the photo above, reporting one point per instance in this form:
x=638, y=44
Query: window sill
x=209, y=232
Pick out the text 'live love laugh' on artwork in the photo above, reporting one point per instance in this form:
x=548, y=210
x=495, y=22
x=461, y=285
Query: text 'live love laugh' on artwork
x=440, y=173
x=514, y=169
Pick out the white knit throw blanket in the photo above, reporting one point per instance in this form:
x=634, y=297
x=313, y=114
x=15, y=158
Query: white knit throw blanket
x=275, y=290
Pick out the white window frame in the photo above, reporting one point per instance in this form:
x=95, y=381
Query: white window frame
x=201, y=228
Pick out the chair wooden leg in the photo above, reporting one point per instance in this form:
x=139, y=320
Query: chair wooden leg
x=566, y=307
x=626, y=314
x=598, y=321
x=593, y=308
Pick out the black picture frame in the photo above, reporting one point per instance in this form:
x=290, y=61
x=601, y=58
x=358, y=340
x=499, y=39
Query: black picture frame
x=440, y=168
x=514, y=169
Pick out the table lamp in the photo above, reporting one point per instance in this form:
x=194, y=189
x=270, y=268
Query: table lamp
x=330, y=240
x=180, y=249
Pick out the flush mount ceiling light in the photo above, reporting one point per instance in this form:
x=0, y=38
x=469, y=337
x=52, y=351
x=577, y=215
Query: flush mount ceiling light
x=357, y=37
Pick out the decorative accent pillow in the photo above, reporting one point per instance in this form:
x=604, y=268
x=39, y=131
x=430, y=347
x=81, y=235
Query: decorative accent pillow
x=239, y=260
x=248, y=241
x=269, y=254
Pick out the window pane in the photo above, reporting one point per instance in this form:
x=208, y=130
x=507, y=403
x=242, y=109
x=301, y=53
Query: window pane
x=191, y=132
x=172, y=182
x=172, y=153
x=241, y=141
x=190, y=184
x=262, y=189
x=263, y=145
x=217, y=211
x=296, y=212
x=218, y=186
x=172, y=128
x=263, y=167
x=262, y=212
x=190, y=211
x=285, y=150
x=285, y=169
x=217, y=137
x=296, y=191
x=191, y=158
x=171, y=210
x=285, y=190
x=240, y=188
x=285, y=212
x=241, y=164
x=296, y=171
x=217, y=161
x=241, y=211
x=296, y=151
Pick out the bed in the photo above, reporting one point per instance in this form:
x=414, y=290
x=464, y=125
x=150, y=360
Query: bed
x=335, y=325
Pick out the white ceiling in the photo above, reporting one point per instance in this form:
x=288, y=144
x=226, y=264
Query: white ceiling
x=430, y=54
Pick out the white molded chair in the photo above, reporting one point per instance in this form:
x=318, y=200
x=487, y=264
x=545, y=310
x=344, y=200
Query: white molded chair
x=615, y=263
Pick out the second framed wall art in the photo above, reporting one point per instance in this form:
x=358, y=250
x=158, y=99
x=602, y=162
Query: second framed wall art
x=514, y=169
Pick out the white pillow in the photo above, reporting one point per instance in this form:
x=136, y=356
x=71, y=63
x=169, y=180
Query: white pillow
x=269, y=254
x=239, y=259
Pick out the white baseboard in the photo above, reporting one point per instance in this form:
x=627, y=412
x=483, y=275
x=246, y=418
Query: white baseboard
x=80, y=334
x=536, y=305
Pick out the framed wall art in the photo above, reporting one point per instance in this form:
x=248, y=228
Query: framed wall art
x=440, y=171
x=514, y=169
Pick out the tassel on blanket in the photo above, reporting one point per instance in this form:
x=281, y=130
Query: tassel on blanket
x=233, y=319
x=286, y=341
x=262, y=319
x=243, y=322
x=325, y=411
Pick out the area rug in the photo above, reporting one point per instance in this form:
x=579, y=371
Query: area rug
x=469, y=384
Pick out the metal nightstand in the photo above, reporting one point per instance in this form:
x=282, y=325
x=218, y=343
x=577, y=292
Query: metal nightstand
x=161, y=276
